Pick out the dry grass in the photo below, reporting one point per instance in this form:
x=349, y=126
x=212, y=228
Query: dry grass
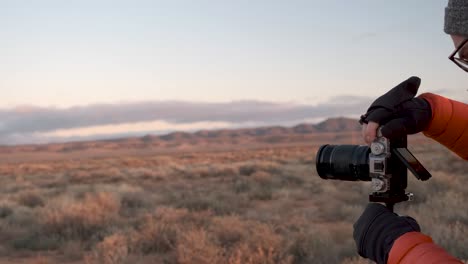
x=244, y=206
x=80, y=219
x=112, y=250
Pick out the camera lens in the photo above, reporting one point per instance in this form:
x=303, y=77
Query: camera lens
x=343, y=162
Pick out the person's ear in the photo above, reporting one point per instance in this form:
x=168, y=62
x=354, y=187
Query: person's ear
x=457, y=40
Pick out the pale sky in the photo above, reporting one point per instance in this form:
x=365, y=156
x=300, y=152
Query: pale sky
x=58, y=54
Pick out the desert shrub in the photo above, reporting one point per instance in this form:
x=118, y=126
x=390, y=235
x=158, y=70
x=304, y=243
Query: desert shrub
x=19, y=183
x=198, y=237
x=230, y=239
x=133, y=162
x=202, y=203
x=440, y=183
x=37, y=241
x=308, y=160
x=80, y=176
x=107, y=175
x=48, y=181
x=72, y=250
x=331, y=209
x=170, y=214
x=445, y=206
x=99, y=174
x=262, y=235
x=112, y=250
x=155, y=236
x=260, y=186
x=356, y=260
x=195, y=247
x=319, y=247
x=310, y=248
x=132, y=202
x=351, y=193
x=5, y=210
x=440, y=159
x=441, y=208
x=184, y=217
x=249, y=168
x=17, y=225
x=245, y=254
x=80, y=219
x=262, y=177
x=451, y=236
x=349, y=213
x=227, y=171
x=22, y=217
x=160, y=232
x=241, y=185
x=228, y=230
x=23, y=231
x=30, y=199
x=290, y=179
x=210, y=171
x=324, y=242
x=145, y=173
x=261, y=245
x=262, y=192
x=220, y=203
x=40, y=259
x=314, y=189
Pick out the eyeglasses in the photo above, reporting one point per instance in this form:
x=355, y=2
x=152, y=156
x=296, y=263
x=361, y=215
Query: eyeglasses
x=461, y=60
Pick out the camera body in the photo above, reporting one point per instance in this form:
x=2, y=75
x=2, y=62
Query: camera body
x=385, y=164
x=379, y=159
x=389, y=176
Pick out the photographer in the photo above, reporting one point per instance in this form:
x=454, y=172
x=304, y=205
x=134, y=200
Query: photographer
x=380, y=234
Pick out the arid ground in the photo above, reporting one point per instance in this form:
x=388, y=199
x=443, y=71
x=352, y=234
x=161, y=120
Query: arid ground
x=250, y=196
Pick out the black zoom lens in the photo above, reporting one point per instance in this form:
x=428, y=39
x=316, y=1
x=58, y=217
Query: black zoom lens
x=343, y=162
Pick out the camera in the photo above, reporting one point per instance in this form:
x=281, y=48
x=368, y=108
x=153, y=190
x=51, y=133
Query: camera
x=384, y=164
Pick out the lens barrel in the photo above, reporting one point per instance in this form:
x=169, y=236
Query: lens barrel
x=343, y=162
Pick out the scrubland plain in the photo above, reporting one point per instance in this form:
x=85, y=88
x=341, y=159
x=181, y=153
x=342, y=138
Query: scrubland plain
x=245, y=201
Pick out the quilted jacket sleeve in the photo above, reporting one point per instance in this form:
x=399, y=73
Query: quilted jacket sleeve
x=449, y=125
x=417, y=248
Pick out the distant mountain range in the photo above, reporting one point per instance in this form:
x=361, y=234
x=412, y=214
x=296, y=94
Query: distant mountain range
x=330, y=125
x=222, y=137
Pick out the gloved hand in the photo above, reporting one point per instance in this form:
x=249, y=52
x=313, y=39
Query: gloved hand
x=398, y=111
x=377, y=229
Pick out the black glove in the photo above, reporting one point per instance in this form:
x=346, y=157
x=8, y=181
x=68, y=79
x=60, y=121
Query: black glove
x=377, y=229
x=400, y=111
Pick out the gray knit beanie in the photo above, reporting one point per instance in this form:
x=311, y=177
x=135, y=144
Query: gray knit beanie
x=456, y=18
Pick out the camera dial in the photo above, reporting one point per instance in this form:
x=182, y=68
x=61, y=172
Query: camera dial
x=378, y=185
x=377, y=148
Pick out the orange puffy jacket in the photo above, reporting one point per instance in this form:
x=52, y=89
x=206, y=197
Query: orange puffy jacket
x=449, y=126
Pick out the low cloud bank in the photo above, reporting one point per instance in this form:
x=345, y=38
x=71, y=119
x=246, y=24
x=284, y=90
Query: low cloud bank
x=39, y=125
